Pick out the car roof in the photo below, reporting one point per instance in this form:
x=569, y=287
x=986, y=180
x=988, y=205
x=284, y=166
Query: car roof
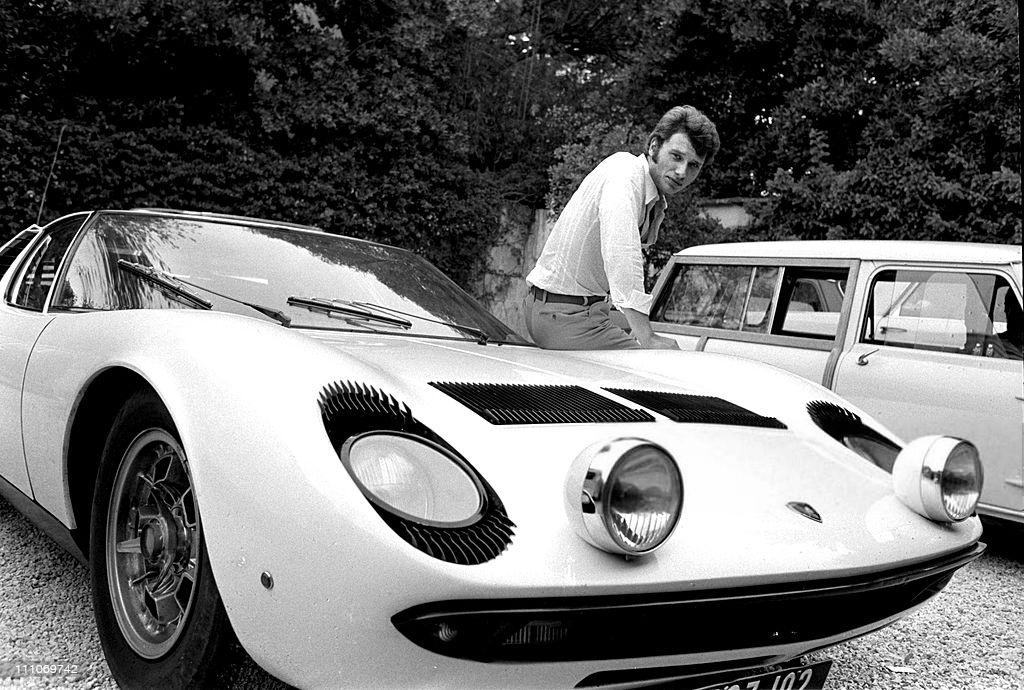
x=959, y=252
x=209, y=215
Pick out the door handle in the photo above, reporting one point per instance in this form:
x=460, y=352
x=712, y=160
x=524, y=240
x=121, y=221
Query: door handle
x=863, y=359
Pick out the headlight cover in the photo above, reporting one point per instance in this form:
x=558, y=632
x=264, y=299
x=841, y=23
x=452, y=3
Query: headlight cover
x=848, y=428
x=624, y=496
x=414, y=478
x=939, y=477
x=388, y=471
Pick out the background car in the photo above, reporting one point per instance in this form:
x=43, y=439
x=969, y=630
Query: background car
x=922, y=335
x=323, y=447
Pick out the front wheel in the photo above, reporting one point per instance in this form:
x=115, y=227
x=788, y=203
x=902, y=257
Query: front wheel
x=159, y=616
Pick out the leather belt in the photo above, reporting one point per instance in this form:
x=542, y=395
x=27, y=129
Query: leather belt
x=582, y=300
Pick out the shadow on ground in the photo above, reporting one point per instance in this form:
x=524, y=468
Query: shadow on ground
x=1004, y=539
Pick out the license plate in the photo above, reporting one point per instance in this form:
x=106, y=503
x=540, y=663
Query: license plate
x=811, y=677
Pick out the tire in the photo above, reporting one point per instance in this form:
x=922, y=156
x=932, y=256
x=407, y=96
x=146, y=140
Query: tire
x=160, y=619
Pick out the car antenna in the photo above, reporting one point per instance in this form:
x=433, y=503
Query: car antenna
x=53, y=166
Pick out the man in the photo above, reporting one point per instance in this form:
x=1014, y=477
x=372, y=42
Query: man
x=1012, y=339
x=593, y=257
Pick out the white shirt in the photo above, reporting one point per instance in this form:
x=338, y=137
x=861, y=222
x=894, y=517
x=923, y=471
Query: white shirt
x=595, y=246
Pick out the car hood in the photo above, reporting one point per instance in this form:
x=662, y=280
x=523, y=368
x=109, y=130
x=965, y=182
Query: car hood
x=736, y=527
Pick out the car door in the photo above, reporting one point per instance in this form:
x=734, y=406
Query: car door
x=23, y=317
x=928, y=360
x=789, y=313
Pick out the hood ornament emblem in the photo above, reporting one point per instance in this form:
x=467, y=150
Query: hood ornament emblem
x=805, y=509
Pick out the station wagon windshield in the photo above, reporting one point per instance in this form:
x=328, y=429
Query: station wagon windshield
x=234, y=262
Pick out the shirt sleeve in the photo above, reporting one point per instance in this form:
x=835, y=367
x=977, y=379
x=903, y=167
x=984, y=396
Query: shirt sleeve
x=620, y=214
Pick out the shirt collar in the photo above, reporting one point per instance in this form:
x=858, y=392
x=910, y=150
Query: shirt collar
x=650, y=189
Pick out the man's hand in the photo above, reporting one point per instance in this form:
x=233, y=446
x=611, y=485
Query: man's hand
x=660, y=342
x=640, y=328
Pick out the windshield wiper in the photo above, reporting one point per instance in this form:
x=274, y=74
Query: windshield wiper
x=176, y=285
x=347, y=309
x=165, y=281
x=479, y=335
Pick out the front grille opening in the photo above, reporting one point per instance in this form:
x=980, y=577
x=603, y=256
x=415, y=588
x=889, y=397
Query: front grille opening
x=642, y=626
x=537, y=633
x=696, y=409
x=508, y=403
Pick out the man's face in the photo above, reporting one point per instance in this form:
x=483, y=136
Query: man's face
x=675, y=164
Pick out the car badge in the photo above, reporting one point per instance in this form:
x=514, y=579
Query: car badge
x=805, y=509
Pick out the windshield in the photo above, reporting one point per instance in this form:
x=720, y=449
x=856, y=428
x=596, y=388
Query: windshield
x=266, y=266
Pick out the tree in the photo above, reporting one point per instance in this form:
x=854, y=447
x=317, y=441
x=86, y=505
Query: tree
x=929, y=125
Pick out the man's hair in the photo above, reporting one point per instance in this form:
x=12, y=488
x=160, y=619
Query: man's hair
x=691, y=122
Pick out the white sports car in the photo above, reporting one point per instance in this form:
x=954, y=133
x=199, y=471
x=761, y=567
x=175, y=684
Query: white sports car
x=324, y=447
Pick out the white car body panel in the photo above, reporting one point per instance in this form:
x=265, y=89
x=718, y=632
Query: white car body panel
x=281, y=465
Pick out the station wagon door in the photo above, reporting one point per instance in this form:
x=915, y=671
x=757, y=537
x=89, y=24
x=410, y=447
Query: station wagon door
x=787, y=313
x=928, y=359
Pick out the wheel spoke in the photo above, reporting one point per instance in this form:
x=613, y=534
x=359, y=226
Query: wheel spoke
x=141, y=578
x=148, y=512
x=164, y=607
x=130, y=546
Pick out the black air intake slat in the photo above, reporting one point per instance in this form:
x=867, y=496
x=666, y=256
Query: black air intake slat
x=507, y=403
x=848, y=428
x=838, y=422
x=696, y=409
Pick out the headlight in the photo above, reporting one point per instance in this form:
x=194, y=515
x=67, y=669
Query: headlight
x=624, y=496
x=414, y=478
x=939, y=477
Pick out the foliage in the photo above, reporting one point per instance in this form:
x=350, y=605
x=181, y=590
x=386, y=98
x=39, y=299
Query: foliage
x=414, y=121
x=858, y=119
x=930, y=121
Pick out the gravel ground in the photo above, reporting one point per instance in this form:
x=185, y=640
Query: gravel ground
x=971, y=637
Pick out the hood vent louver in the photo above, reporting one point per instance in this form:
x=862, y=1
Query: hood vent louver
x=696, y=409
x=505, y=403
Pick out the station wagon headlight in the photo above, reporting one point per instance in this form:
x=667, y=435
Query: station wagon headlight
x=624, y=496
x=414, y=478
x=939, y=477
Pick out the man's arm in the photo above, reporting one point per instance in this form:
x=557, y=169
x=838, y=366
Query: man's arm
x=640, y=328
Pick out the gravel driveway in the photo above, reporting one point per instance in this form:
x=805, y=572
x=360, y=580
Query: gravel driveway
x=970, y=637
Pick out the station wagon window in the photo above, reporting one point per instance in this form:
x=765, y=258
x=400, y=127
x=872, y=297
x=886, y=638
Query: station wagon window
x=810, y=302
x=974, y=314
x=719, y=296
x=37, y=278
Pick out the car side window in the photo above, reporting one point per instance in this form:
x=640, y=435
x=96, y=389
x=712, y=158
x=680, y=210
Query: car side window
x=10, y=250
x=810, y=302
x=718, y=296
x=31, y=290
x=975, y=314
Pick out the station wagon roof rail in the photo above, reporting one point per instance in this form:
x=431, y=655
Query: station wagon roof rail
x=959, y=252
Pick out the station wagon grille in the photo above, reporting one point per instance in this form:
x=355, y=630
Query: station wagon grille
x=506, y=403
x=696, y=409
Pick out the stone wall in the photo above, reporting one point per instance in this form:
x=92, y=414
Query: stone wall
x=517, y=244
